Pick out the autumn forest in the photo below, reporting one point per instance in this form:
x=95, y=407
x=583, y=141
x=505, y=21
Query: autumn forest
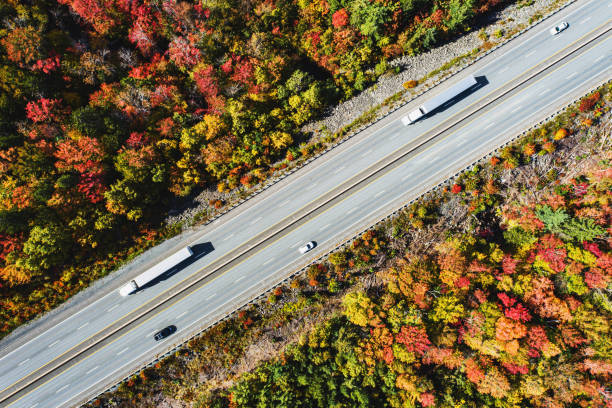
x=112, y=110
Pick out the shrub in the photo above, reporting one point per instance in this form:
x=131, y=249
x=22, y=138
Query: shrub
x=588, y=102
x=410, y=84
x=560, y=134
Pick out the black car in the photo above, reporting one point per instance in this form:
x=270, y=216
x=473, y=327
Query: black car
x=160, y=335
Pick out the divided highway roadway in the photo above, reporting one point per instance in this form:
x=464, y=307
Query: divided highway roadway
x=327, y=201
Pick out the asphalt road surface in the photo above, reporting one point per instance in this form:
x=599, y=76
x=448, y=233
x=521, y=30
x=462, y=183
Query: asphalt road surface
x=326, y=202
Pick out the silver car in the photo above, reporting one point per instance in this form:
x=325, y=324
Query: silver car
x=559, y=27
x=307, y=247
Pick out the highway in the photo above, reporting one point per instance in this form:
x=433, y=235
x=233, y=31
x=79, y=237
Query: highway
x=330, y=199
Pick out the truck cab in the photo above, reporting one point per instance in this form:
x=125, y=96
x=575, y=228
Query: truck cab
x=128, y=288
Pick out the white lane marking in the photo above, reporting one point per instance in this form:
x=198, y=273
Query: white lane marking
x=83, y=325
x=394, y=135
x=256, y=220
x=339, y=169
x=112, y=307
x=324, y=227
x=284, y=203
x=366, y=153
x=24, y=361
x=515, y=109
x=296, y=244
x=352, y=210
x=239, y=279
x=600, y=57
x=268, y=261
x=489, y=125
x=571, y=75
x=588, y=18
x=123, y=351
x=182, y=314
x=34, y=406
x=545, y=91
x=62, y=388
x=312, y=185
x=228, y=237
x=504, y=69
x=211, y=296
x=63, y=321
x=407, y=176
x=530, y=54
x=379, y=194
x=53, y=344
x=92, y=370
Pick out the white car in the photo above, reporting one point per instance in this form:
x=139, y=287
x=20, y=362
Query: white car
x=307, y=247
x=559, y=27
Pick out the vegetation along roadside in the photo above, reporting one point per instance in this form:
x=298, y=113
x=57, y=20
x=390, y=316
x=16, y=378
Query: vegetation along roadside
x=113, y=112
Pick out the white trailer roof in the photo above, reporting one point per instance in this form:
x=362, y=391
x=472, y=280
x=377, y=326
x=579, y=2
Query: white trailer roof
x=163, y=266
x=450, y=93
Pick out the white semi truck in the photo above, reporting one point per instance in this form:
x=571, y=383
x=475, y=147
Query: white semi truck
x=439, y=100
x=153, y=272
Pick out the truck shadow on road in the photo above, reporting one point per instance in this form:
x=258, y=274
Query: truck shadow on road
x=481, y=81
x=199, y=251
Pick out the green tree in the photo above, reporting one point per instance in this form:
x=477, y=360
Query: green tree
x=552, y=219
x=369, y=17
x=47, y=246
x=459, y=12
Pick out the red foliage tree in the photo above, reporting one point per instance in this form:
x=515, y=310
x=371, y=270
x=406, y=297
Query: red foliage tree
x=437, y=17
x=243, y=71
x=456, y=189
x=552, y=250
x=509, y=265
x=136, y=140
x=92, y=187
x=207, y=84
x=8, y=244
x=414, y=338
x=427, y=399
x=473, y=371
x=47, y=65
x=571, y=336
x=506, y=300
x=516, y=369
x=588, y=102
x=183, y=53
x=340, y=18
x=518, y=312
x=536, y=337
x=83, y=155
x=596, y=279
x=94, y=12
x=44, y=109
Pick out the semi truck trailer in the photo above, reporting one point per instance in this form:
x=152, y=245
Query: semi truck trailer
x=439, y=100
x=153, y=272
